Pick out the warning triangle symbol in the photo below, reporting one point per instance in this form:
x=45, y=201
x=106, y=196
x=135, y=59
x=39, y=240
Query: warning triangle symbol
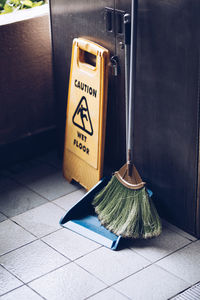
x=81, y=117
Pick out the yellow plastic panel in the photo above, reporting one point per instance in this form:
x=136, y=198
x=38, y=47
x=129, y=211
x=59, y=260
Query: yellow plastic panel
x=86, y=113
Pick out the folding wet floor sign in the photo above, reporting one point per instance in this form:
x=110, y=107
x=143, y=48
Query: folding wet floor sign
x=86, y=113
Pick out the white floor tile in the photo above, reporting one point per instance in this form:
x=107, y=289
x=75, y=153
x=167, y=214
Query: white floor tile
x=179, y=231
x=184, y=263
x=69, y=282
x=22, y=293
x=70, y=243
x=68, y=201
x=108, y=294
x=44, y=180
x=16, y=198
x=13, y=236
x=157, y=248
x=41, y=220
x=2, y=217
x=112, y=266
x=52, y=186
x=152, y=283
x=32, y=261
x=7, y=281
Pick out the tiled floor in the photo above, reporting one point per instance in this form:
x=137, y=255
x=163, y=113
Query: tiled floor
x=41, y=260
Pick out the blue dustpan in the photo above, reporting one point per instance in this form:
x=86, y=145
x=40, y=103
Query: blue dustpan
x=82, y=219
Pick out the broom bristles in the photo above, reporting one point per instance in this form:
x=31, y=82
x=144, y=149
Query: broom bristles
x=126, y=212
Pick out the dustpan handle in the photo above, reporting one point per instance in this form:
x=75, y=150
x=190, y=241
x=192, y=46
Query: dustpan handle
x=132, y=79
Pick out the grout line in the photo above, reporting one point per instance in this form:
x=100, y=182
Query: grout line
x=36, y=239
x=65, y=210
x=36, y=292
x=12, y=275
x=179, y=293
x=7, y=217
x=10, y=176
x=112, y=288
x=23, y=228
x=151, y=263
x=147, y=266
x=75, y=260
x=47, y=234
x=159, y=259
x=3, y=214
x=28, y=243
x=173, y=274
x=40, y=239
x=24, y=284
x=89, y=297
x=99, y=247
x=178, y=231
x=121, y=293
x=111, y=285
x=97, y=293
x=25, y=186
x=12, y=290
x=70, y=260
x=43, y=275
x=47, y=201
x=93, y=275
x=175, y=251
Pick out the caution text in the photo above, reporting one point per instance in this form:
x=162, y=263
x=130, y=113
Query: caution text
x=84, y=87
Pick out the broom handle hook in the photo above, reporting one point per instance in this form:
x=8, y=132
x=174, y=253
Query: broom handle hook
x=132, y=80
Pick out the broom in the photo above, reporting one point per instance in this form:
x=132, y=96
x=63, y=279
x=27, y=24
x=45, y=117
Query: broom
x=123, y=206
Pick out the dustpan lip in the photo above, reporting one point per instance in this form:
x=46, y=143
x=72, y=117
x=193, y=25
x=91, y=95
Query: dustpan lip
x=72, y=222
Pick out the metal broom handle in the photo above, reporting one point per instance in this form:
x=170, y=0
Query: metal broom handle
x=132, y=78
x=127, y=38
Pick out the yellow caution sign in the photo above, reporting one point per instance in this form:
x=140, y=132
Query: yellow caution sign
x=86, y=113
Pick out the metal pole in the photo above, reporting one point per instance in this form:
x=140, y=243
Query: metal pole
x=134, y=6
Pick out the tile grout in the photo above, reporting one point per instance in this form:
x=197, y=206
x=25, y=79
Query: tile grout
x=112, y=286
x=28, y=243
x=49, y=272
x=24, y=284
x=36, y=239
x=74, y=261
x=70, y=260
x=96, y=277
x=167, y=255
x=184, y=290
x=32, y=190
x=12, y=274
x=108, y=287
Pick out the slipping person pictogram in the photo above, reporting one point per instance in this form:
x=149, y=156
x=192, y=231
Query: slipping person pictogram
x=81, y=117
x=82, y=114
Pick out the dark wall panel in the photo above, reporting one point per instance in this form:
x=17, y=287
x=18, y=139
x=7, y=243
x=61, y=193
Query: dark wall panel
x=167, y=106
x=166, y=109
